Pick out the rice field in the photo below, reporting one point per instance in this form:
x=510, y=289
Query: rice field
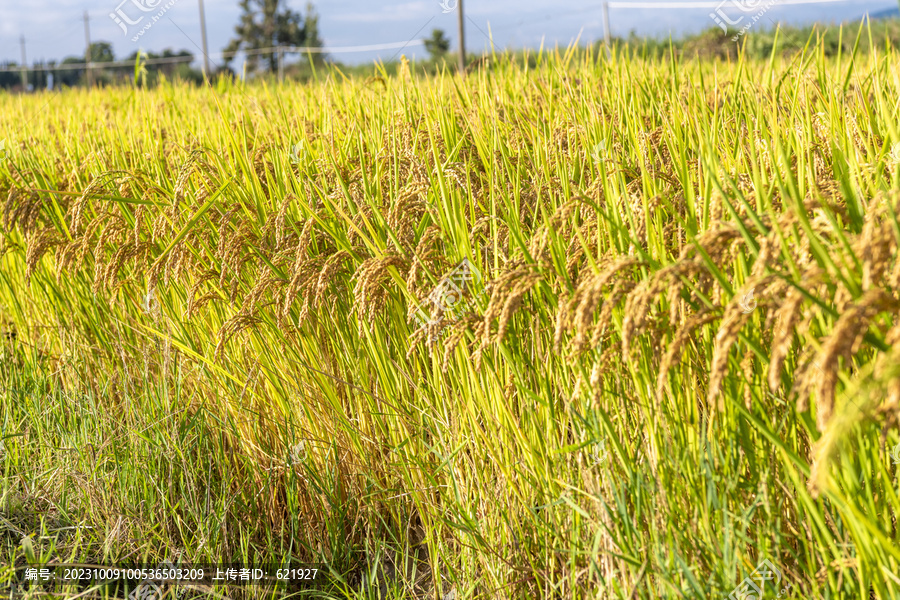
x=569, y=327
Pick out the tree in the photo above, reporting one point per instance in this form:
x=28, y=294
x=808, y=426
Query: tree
x=102, y=52
x=9, y=79
x=71, y=76
x=266, y=24
x=438, y=45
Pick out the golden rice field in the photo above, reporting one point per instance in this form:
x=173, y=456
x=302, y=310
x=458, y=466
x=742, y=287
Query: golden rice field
x=572, y=327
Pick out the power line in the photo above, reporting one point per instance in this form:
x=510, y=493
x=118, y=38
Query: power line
x=604, y=6
x=708, y=3
x=119, y=63
x=561, y=14
x=717, y=4
x=368, y=48
x=175, y=59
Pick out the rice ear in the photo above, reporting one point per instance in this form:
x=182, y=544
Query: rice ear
x=736, y=315
x=682, y=336
x=785, y=319
x=843, y=343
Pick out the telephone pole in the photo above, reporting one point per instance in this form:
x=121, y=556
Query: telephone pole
x=203, y=37
x=462, y=40
x=87, y=50
x=607, y=37
x=24, y=68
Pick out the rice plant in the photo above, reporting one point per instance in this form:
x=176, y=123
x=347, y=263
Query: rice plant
x=596, y=328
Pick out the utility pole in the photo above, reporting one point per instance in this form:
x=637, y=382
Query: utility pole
x=462, y=40
x=607, y=36
x=203, y=36
x=280, y=64
x=24, y=68
x=87, y=50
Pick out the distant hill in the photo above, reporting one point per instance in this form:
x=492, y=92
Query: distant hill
x=888, y=13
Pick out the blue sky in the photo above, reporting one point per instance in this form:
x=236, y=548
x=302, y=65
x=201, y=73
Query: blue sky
x=54, y=29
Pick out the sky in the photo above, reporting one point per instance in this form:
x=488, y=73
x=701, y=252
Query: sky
x=54, y=29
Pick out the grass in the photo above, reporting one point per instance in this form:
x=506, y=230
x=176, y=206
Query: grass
x=676, y=359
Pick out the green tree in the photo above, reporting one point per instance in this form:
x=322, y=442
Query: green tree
x=267, y=24
x=68, y=77
x=102, y=52
x=437, y=45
